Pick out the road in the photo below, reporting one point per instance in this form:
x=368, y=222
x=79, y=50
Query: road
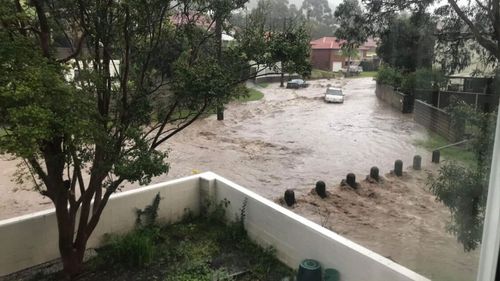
x=289, y=139
x=292, y=138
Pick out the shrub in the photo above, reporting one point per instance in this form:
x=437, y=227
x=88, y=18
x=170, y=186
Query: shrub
x=389, y=76
x=134, y=249
x=137, y=248
x=369, y=65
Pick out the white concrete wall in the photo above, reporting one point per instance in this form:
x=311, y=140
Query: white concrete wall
x=296, y=238
x=30, y=240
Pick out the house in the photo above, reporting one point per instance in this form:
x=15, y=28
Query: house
x=326, y=53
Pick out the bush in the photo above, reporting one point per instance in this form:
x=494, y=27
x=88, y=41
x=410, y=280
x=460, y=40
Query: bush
x=389, y=76
x=135, y=249
x=369, y=65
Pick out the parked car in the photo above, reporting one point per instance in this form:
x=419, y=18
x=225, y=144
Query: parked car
x=354, y=69
x=296, y=84
x=334, y=95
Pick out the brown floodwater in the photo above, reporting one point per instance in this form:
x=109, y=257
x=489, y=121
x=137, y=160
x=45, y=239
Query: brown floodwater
x=289, y=139
x=292, y=138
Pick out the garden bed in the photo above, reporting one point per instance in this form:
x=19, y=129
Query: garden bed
x=197, y=249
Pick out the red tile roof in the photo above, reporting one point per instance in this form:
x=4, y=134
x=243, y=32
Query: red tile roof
x=334, y=44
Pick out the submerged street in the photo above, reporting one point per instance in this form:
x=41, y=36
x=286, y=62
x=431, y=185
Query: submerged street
x=289, y=139
x=292, y=138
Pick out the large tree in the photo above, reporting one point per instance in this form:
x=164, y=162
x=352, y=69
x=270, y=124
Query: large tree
x=353, y=29
x=144, y=71
x=408, y=43
x=463, y=29
x=320, y=17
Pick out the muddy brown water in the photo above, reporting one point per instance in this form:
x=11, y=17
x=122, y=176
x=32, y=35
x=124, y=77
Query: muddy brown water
x=291, y=139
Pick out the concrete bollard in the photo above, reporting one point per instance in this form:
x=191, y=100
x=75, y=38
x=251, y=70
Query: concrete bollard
x=351, y=180
x=374, y=173
x=321, y=189
x=398, y=168
x=436, y=156
x=289, y=197
x=417, y=162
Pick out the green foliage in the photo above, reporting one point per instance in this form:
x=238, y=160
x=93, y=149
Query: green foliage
x=387, y=75
x=463, y=189
x=147, y=217
x=365, y=74
x=145, y=73
x=322, y=74
x=134, y=249
x=408, y=42
x=253, y=95
x=137, y=248
x=353, y=26
x=462, y=155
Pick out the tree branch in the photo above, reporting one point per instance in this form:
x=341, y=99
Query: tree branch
x=483, y=41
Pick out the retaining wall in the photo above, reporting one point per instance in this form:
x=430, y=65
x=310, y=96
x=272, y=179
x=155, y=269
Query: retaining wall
x=390, y=96
x=295, y=238
x=31, y=240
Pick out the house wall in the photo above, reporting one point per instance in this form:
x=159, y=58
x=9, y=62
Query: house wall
x=321, y=59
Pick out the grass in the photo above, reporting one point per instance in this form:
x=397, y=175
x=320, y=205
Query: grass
x=262, y=85
x=253, y=95
x=197, y=249
x=322, y=74
x=459, y=154
x=367, y=74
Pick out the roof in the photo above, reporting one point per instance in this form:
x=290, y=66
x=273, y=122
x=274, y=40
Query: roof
x=326, y=43
x=332, y=43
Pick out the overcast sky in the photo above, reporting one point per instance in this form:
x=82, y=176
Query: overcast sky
x=298, y=3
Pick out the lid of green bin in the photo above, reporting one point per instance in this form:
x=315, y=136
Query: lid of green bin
x=310, y=264
x=331, y=274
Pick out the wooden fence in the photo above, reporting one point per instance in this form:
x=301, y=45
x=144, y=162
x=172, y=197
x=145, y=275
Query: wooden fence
x=436, y=120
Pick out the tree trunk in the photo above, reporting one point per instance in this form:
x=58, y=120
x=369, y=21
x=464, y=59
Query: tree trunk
x=282, y=79
x=349, y=65
x=218, y=34
x=72, y=263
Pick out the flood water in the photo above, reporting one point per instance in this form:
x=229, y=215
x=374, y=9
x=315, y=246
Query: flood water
x=292, y=138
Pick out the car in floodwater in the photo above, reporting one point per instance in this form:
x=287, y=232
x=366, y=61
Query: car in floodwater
x=296, y=84
x=334, y=95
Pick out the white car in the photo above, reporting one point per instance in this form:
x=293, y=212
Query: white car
x=334, y=95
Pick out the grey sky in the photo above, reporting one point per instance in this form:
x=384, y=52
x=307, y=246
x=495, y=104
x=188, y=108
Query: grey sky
x=298, y=3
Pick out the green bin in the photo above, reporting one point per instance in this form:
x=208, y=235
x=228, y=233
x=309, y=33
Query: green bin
x=309, y=270
x=332, y=275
